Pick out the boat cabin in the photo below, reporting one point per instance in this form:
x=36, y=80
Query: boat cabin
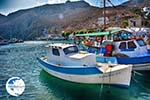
x=69, y=55
x=131, y=48
x=117, y=41
x=125, y=42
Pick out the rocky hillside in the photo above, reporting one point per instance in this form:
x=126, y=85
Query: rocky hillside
x=30, y=23
x=2, y=18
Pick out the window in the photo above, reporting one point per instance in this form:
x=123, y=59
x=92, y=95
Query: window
x=122, y=45
x=55, y=52
x=72, y=49
x=131, y=44
x=141, y=42
x=109, y=37
x=134, y=24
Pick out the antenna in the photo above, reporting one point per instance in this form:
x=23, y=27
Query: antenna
x=111, y=3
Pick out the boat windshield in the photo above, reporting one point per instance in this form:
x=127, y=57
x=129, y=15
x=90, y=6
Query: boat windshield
x=72, y=49
x=141, y=42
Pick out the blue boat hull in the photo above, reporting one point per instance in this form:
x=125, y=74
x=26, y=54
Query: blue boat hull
x=134, y=60
x=73, y=71
x=139, y=63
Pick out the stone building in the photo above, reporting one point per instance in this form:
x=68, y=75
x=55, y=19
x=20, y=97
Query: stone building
x=136, y=22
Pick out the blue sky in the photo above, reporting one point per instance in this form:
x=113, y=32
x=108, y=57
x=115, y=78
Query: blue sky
x=9, y=6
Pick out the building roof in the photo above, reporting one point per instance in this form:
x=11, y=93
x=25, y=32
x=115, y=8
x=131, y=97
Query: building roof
x=59, y=45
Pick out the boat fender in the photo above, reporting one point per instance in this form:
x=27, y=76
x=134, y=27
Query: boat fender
x=82, y=52
x=77, y=40
x=97, y=38
x=109, y=49
x=44, y=58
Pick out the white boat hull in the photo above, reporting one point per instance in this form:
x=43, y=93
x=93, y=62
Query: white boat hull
x=120, y=77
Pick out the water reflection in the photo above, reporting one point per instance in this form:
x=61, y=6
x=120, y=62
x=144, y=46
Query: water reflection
x=73, y=91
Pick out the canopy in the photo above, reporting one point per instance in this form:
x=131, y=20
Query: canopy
x=98, y=33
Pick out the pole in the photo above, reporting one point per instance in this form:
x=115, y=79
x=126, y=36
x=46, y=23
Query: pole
x=104, y=11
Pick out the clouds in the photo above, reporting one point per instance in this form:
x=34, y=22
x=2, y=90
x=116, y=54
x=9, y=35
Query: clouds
x=55, y=1
x=3, y=3
x=8, y=6
x=58, y=1
x=99, y=3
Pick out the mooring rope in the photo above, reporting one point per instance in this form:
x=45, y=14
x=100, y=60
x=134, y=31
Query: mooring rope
x=110, y=78
x=137, y=73
x=101, y=88
x=140, y=75
x=142, y=86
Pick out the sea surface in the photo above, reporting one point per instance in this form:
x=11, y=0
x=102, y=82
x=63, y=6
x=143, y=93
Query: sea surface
x=19, y=60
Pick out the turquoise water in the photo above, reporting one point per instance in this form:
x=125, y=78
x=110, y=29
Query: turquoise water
x=20, y=60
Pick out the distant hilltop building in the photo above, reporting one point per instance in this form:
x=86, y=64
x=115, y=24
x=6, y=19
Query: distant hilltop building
x=100, y=21
x=146, y=9
x=136, y=22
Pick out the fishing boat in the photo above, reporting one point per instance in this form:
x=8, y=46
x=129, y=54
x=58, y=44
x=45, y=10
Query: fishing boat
x=118, y=46
x=4, y=42
x=66, y=62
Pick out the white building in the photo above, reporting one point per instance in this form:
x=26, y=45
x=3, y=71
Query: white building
x=146, y=9
x=101, y=21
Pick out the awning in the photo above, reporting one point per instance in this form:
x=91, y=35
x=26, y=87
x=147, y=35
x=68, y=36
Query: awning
x=98, y=33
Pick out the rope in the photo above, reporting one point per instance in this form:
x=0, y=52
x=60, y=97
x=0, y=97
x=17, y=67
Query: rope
x=142, y=86
x=137, y=73
x=110, y=78
x=101, y=88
